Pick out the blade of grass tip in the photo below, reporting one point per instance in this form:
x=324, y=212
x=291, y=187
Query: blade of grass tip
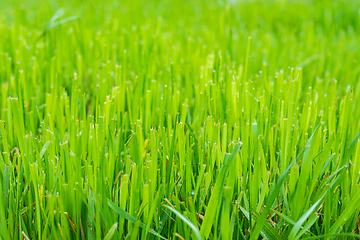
x=59, y=13
x=186, y=221
x=216, y=194
x=303, y=218
x=322, y=171
x=52, y=22
x=43, y=150
x=273, y=193
x=111, y=232
x=131, y=218
x=62, y=21
x=307, y=226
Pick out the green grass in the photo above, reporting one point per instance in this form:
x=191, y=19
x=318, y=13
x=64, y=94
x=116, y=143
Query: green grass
x=179, y=119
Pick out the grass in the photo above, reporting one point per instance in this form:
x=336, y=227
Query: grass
x=179, y=119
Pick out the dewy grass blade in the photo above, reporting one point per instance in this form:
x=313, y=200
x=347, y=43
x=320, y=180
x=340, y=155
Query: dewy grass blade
x=355, y=236
x=111, y=232
x=131, y=218
x=353, y=205
x=268, y=232
x=216, y=194
x=186, y=221
x=44, y=148
x=53, y=23
x=271, y=198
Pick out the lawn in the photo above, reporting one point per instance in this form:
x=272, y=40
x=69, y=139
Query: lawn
x=180, y=119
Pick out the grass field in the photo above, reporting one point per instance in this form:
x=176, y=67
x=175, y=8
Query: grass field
x=179, y=119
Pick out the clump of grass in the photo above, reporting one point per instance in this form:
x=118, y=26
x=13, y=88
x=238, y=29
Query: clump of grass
x=179, y=119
